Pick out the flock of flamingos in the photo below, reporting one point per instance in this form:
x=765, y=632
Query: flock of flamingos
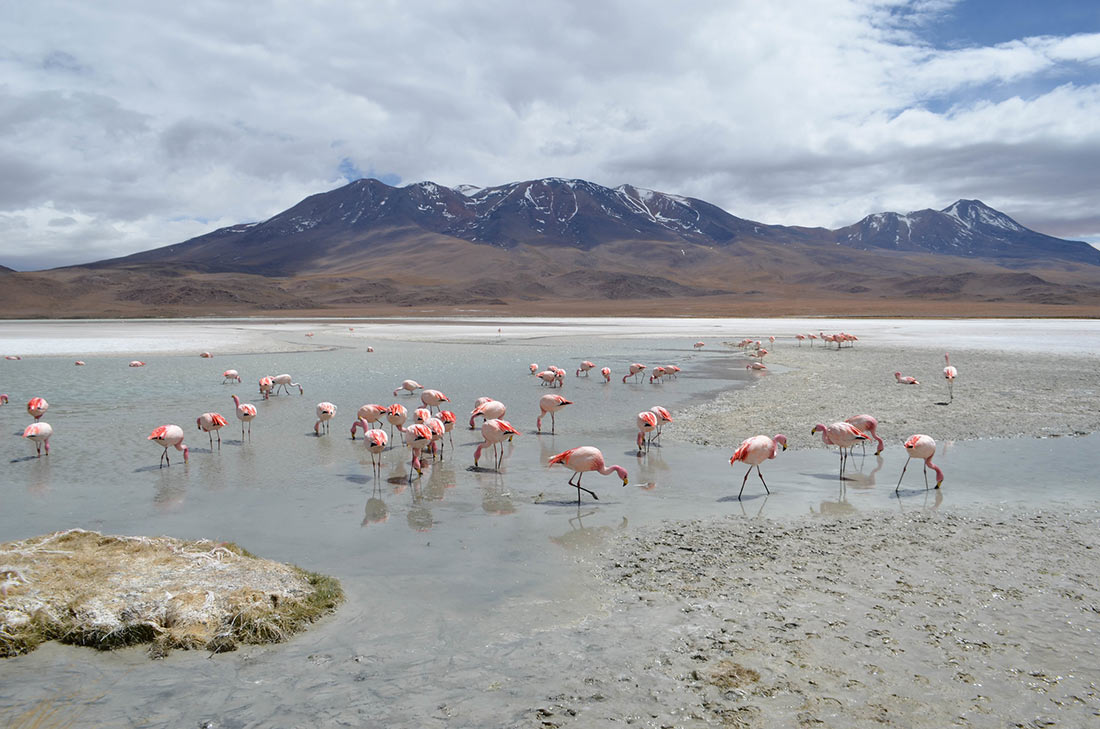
x=431, y=423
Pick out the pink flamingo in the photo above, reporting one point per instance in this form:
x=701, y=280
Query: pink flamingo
x=671, y=370
x=647, y=423
x=582, y=460
x=417, y=438
x=495, y=432
x=799, y=337
x=657, y=373
x=37, y=407
x=367, y=416
x=245, y=413
x=375, y=440
x=13, y=357
x=756, y=366
x=869, y=425
x=449, y=420
x=950, y=373
x=169, y=436
x=138, y=363
x=3, y=398
x=548, y=377
x=206, y=355
x=606, y=372
x=634, y=370
x=905, y=380
x=422, y=415
x=699, y=345
x=533, y=367
x=922, y=447
x=843, y=436
x=397, y=416
x=488, y=410
x=230, y=375
x=664, y=417
x=284, y=381
x=409, y=386
x=40, y=433
x=585, y=366
x=754, y=451
x=433, y=398
x=79, y=363
x=326, y=411
x=439, y=429
x=550, y=404
x=266, y=386
x=211, y=423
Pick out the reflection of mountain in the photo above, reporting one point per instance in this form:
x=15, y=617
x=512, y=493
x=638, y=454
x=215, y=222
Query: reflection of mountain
x=530, y=244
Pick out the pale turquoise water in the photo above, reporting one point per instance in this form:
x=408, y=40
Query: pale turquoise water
x=453, y=588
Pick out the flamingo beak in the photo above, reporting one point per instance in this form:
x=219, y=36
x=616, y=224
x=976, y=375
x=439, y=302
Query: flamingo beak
x=624, y=482
x=785, y=445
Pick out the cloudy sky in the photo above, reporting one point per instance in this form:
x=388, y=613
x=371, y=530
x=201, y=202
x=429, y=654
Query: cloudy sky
x=130, y=125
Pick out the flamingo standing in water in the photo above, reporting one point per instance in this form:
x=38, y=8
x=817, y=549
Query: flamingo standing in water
x=905, y=380
x=138, y=363
x=922, y=447
x=439, y=429
x=534, y=367
x=422, y=415
x=699, y=345
x=433, y=398
x=869, y=425
x=495, y=432
x=409, y=386
x=211, y=423
x=266, y=386
x=488, y=409
x=548, y=377
x=448, y=419
x=284, y=381
x=647, y=423
x=949, y=374
x=79, y=363
x=3, y=398
x=375, y=440
x=634, y=370
x=550, y=404
x=584, y=459
x=37, y=407
x=367, y=416
x=245, y=413
x=397, y=416
x=843, y=436
x=756, y=366
x=40, y=433
x=585, y=366
x=664, y=417
x=326, y=411
x=169, y=436
x=754, y=451
x=230, y=375
x=606, y=372
x=417, y=438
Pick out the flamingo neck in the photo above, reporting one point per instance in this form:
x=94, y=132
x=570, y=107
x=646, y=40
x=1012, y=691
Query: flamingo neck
x=618, y=470
x=236, y=400
x=934, y=467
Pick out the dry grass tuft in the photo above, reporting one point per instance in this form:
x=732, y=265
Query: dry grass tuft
x=106, y=592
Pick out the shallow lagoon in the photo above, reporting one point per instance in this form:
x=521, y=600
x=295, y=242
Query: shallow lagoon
x=449, y=594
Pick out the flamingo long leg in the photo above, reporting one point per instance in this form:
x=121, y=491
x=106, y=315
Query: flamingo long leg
x=902, y=475
x=762, y=480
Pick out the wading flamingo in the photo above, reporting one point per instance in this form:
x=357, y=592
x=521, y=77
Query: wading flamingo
x=647, y=423
x=585, y=366
x=40, y=433
x=230, y=375
x=397, y=416
x=489, y=409
x=3, y=398
x=664, y=417
x=548, y=377
x=841, y=435
x=169, y=436
x=433, y=398
x=756, y=366
x=79, y=363
x=495, y=432
x=657, y=373
x=584, y=459
x=905, y=380
x=634, y=370
x=409, y=386
x=367, y=416
x=606, y=372
x=245, y=413
x=922, y=447
x=138, y=363
x=37, y=407
x=949, y=374
x=326, y=411
x=699, y=345
x=671, y=370
x=448, y=419
x=534, y=367
x=754, y=451
x=417, y=438
x=375, y=440
x=284, y=381
x=550, y=404
x=211, y=423
x=439, y=429
x=869, y=425
x=422, y=415
x=266, y=386
x=205, y=355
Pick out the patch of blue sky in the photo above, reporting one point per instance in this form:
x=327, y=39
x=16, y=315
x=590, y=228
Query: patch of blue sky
x=971, y=23
x=351, y=172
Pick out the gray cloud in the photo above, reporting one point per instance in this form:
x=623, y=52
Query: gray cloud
x=145, y=124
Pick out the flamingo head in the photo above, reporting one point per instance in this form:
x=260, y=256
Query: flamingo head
x=620, y=472
x=782, y=439
x=818, y=428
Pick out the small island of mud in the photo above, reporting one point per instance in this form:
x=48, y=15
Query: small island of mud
x=106, y=592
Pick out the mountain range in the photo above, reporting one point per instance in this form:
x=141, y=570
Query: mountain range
x=561, y=244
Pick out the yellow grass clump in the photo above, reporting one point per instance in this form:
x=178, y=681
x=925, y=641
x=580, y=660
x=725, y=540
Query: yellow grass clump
x=106, y=592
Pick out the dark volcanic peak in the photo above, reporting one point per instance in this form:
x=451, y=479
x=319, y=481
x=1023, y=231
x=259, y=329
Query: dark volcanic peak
x=965, y=228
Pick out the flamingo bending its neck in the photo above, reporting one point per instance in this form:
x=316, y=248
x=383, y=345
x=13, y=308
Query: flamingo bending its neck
x=230, y=375
x=40, y=433
x=923, y=447
x=584, y=459
x=647, y=423
x=869, y=425
x=409, y=386
x=169, y=436
x=284, y=381
x=550, y=404
x=754, y=451
x=37, y=407
x=495, y=432
x=488, y=409
x=326, y=411
x=211, y=423
x=843, y=435
x=905, y=380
